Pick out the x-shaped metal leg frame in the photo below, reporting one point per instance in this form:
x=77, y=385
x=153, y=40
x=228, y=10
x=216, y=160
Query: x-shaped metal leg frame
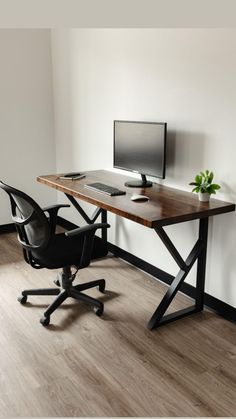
x=94, y=217
x=197, y=253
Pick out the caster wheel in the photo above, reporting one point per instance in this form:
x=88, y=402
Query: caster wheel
x=98, y=311
x=101, y=287
x=22, y=299
x=45, y=320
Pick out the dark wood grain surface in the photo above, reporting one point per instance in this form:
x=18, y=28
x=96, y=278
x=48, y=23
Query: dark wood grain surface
x=165, y=206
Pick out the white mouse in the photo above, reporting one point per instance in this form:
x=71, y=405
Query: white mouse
x=138, y=197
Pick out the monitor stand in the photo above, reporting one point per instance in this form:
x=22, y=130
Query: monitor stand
x=143, y=183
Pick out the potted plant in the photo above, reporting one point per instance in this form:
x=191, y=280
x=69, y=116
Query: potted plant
x=204, y=186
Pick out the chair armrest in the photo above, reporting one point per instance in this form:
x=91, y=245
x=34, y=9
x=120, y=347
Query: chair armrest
x=88, y=228
x=52, y=211
x=87, y=233
x=55, y=207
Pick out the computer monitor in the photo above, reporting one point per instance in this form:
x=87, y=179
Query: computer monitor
x=140, y=147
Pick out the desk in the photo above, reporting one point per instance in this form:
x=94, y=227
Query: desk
x=166, y=206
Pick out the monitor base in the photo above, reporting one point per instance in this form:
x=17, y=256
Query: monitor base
x=142, y=183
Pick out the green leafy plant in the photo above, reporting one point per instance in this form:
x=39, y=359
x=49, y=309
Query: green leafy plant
x=203, y=183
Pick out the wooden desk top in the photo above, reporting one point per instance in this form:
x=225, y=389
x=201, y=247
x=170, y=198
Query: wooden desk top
x=166, y=205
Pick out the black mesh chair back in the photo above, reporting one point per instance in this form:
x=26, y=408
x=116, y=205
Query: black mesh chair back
x=31, y=223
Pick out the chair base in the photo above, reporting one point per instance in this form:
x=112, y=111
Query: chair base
x=64, y=292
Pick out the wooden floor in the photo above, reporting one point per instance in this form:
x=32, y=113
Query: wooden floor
x=83, y=365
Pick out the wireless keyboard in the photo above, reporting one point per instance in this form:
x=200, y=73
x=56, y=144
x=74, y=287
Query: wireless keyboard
x=105, y=189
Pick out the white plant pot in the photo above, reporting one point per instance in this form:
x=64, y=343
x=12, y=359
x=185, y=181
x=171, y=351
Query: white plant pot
x=204, y=196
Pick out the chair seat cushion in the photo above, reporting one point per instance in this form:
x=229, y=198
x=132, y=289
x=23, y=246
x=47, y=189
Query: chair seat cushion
x=64, y=251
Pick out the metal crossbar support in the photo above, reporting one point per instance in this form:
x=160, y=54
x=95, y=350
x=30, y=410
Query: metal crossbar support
x=79, y=209
x=197, y=253
x=172, y=249
x=94, y=217
x=96, y=214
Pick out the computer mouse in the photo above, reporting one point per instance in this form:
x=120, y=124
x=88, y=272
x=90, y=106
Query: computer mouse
x=138, y=197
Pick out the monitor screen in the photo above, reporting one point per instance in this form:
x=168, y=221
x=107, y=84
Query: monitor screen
x=140, y=147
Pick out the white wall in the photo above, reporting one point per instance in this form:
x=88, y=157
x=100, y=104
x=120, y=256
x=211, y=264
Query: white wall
x=27, y=147
x=183, y=76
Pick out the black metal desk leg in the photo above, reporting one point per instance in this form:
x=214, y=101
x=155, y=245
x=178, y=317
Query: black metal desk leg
x=198, y=253
x=201, y=264
x=104, y=220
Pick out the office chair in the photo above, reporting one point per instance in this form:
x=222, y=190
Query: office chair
x=44, y=248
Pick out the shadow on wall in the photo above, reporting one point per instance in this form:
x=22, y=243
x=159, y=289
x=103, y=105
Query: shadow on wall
x=185, y=151
x=121, y=230
x=230, y=192
x=222, y=230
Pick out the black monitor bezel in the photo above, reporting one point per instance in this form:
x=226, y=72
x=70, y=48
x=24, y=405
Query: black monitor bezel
x=164, y=148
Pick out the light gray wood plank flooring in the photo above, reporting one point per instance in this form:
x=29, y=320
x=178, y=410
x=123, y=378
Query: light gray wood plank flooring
x=83, y=365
